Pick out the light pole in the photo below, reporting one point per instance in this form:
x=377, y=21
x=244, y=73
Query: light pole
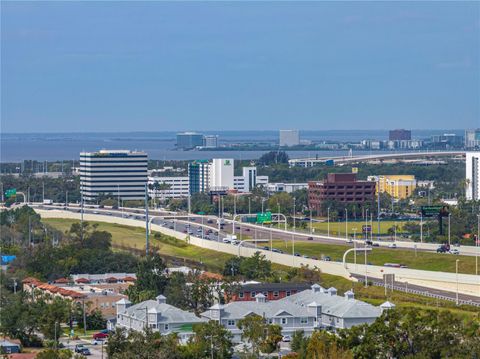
x=366, y=223
x=366, y=276
x=346, y=224
x=395, y=232
x=328, y=221
x=421, y=227
x=449, y=216
x=456, y=276
x=311, y=227
x=293, y=233
x=249, y=205
x=477, y=242
x=118, y=195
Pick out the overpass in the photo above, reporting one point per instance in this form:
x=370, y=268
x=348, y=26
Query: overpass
x=311, y=162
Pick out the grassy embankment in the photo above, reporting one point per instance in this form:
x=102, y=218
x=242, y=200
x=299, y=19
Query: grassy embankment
x=181, y=252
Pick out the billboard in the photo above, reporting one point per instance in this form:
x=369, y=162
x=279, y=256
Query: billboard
x=433, y=211
x=12, y=192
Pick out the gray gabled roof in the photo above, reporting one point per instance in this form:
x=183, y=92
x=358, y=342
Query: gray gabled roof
x=168, y=313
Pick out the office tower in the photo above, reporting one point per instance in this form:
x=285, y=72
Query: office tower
x=118, y=174
x=399, y=135
x=472, y=175
x=189, y=140
x=289, y=138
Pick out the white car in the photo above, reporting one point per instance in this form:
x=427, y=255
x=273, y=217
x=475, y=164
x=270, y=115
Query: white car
x=286, y=338
x=392, y=245
x=226, y=240
x=349, y=240
x=454, y=251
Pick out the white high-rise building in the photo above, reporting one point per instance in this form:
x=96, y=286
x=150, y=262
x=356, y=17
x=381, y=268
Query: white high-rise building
x=168, y=187
x=289, y=138
x=472, y=138
x=221, y=174
x=117, y=173
x=472, y=175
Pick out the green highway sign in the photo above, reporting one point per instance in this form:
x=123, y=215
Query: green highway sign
x=265, y=217
x=12, y=192
x=433, y=211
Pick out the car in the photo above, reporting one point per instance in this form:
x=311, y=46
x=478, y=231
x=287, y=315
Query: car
x=199, y=230
x=185, y=231
x=267, y=248
x=392, y=245
x=85, y=351
x=275, y=250
x=226, y=240
x=310, y=238
x=349, y=240
x=237, y=227
x=190, y=232
x=375, y=244
x=454, y=251
x=100, y=335
x=170, y=227
x=442, y=249
x=247, y=229
x=286, y=339
x=96, y=212
x=97, y=341
x=210, y=221
x=305, y=256
x=315, y=258
x=368, y=242
x=79, y=347
x=327, y=259
x=297, y=254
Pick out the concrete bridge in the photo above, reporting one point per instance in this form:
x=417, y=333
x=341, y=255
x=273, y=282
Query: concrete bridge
x=311, y=162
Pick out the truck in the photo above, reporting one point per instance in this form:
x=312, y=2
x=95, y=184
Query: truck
x=47, y=201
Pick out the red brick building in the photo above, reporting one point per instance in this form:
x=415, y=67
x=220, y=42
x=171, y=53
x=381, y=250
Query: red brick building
x=342, y=188
x=272, y=291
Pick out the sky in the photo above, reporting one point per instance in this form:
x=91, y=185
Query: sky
x=167, y=66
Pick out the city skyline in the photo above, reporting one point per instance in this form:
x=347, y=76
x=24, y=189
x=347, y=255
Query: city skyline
x=94, y=67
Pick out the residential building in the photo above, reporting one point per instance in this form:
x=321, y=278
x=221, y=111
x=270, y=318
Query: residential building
x=308, y=310
x=271, y=291
x=399, y=134
x=199, y=176
x=210, y=141
x=100, y=296
x=168, y=187
x=156, y=315
x=447, y=140
x=472, y=139
x=221, y=174
x=285, y=187
x=472, y=176
x=8, y=347
x=289, y=138
x=343, y=188
x=121, y=174
x=397, y=186
x=189, y=140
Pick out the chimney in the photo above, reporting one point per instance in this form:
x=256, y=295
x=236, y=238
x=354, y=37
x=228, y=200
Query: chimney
x=349, y=295
x=316, y=288
x=161, y=299
x=122, y=305
x=260, y=298
x=332, y=291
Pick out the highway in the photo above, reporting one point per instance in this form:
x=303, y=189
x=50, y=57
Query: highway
x=182, y=224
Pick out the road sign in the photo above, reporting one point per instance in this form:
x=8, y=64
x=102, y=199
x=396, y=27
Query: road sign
x=265, y=217
x=366, y=228
x=12, y=192
x=433, y=211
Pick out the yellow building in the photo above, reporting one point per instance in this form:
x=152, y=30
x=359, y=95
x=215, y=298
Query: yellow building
x=397, y=186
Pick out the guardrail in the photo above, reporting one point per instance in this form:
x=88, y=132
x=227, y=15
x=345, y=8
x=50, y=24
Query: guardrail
x=425, y=293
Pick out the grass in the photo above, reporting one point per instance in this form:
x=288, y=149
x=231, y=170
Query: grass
x=338, y=228
x=134, y=238
x=378, y=256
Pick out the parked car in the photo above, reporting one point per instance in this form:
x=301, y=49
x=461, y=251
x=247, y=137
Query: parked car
x=226, y=240
x=100, y=335
x=392, y=245
x=327, y=258
x=267, y=248
x=310, y=238
x=297, y=255
x=85, y=351
x=79, y=347
x=286, y=338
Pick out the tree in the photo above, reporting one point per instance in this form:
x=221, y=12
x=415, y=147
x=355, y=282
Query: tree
x=151, y=280
x=52, y=315
x=299, y=343
x=282, y=201
x=272, y=338
x=323, y=345
x=273, y=158
x=256, y=267
x=56, y=354
x=254, y=328
x=210, y=340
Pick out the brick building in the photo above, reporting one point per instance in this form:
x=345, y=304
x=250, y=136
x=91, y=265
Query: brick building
x=342, y=188
x=271, y=291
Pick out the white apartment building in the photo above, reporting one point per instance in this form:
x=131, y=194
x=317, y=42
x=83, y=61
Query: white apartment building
x=221, y=174
x=472, y=138
x=285, y=187
x=119, y=173
x=472, y=175
x=289, y=138
x=169, y=187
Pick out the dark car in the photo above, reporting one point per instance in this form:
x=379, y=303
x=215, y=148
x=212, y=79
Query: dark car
x=368, y=242
x=310, y=238
x=266, y=248
x=315, y=258
x=247, y=229
x=327, y=258
x=210, y=221
x=297, y=255
x=85, y=351
x=442, y=249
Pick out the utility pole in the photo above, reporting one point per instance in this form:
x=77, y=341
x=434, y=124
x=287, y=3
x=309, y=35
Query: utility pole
x=378, y=208
x=84, y=319
x=81, y=213
x=328, y=221
x=449, y=217
x=43, y=191
x=146, y=222
x=421, y=227
x=346, y=224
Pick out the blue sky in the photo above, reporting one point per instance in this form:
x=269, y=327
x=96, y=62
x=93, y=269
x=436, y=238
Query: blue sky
x=139, y=66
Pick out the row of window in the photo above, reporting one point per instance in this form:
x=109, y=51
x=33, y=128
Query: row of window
x=283, y=321
x=276, y=294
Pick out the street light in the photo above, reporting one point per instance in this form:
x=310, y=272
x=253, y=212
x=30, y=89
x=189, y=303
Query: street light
x=328, y=221
x=449, y=217
x=346, y=224
x=456, y=275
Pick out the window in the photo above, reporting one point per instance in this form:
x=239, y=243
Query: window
x=275, y=294
x=253, y=294
x=240, y=295
x=230, y=323
x=166, y=327
x=284, y=321
x=304, y=320
x=288, y=294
